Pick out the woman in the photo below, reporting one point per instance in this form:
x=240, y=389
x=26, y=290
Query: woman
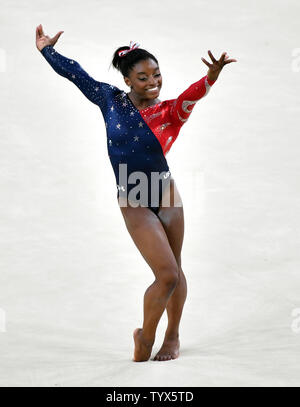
x=140, y=131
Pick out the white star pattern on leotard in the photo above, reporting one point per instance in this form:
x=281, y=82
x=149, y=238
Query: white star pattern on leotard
x=151, y=130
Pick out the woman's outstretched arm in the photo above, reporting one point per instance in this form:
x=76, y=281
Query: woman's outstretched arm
x=95, y=91
x=184, y=104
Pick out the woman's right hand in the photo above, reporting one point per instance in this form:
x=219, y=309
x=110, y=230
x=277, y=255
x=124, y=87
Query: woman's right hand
x=43, y=40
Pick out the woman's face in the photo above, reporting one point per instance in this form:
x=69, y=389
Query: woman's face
x=144, y=76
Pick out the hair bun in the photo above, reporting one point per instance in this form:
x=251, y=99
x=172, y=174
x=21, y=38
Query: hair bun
x=133, y=45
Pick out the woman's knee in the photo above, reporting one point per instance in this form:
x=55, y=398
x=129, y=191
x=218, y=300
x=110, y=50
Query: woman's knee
x=169, y=277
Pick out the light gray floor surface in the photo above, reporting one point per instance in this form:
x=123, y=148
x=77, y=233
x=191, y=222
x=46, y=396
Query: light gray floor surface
x=71, y=279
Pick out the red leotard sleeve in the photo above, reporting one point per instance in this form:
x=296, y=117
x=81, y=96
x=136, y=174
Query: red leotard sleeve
x=184, y=104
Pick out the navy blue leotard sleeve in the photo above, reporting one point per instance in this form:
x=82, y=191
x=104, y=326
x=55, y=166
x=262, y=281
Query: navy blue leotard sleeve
x=133, y=148
x=96, y=92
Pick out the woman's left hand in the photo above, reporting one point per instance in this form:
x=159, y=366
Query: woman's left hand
x=216, y=67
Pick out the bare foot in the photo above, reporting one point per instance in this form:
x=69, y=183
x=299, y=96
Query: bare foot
x=142, y=350
x=169, y=350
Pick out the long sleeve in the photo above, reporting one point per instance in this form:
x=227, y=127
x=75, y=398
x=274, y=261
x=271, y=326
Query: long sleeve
x=184, y=104
x=95, y=91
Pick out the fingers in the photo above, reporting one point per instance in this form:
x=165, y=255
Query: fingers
x=56, y=37
x=230, y=60
x=207, y=63
x=221, y=60
x=211, y=56
x=226, y=60
x=39, y=31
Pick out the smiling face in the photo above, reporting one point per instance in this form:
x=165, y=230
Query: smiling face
x=144, y=76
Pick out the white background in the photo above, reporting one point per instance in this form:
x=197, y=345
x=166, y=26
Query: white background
x=71, y=279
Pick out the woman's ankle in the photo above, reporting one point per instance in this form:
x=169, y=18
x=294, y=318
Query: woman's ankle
x=147, y=339
x=171, y=335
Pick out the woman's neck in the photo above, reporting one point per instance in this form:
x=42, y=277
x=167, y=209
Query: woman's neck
x=141, y=104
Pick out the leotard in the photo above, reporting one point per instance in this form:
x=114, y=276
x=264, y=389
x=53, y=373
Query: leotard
x=137, y=140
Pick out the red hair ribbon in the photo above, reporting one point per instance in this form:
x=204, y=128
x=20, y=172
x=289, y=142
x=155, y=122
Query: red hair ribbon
x=133, y=45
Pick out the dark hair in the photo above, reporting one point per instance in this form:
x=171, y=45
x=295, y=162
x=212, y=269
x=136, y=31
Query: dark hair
x=126, y=63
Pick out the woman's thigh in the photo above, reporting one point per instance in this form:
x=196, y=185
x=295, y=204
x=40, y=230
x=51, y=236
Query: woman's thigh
x=150, y=238
x=172, y=220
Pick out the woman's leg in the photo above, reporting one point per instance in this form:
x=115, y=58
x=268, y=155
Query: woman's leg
x=150, y=238
x=172, y=219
